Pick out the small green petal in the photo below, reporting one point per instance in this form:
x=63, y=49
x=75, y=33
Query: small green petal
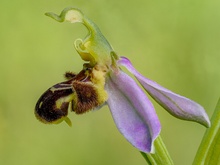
x=68, y=121
x=94, y=48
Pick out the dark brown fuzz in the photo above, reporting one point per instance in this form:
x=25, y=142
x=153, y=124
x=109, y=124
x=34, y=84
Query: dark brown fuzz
x=87, y=97
x=69, y=75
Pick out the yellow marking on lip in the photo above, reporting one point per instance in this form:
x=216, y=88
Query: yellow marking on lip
x=61, y=100
x=53, y=89
x=40, y=104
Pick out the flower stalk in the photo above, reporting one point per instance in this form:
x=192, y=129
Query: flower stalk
x=161, y=155
x=209, y=150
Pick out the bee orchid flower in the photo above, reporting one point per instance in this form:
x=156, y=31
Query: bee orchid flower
x=102, y=81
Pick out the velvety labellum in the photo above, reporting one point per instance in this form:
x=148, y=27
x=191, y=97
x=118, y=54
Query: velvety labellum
x=54, y=103
x=77, y=94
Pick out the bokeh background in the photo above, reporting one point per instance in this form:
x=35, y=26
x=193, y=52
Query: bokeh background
x=176, y=43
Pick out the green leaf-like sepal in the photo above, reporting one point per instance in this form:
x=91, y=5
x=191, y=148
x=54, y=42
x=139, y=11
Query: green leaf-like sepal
x=94, y=48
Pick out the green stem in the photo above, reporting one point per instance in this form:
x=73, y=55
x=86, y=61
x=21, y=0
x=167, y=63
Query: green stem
x=161, y=155
x=209, y=150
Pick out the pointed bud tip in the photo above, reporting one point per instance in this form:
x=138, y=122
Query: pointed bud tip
x=206, y=122
x=200, y=116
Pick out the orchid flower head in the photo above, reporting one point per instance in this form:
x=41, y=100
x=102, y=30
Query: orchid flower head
x=102, y=81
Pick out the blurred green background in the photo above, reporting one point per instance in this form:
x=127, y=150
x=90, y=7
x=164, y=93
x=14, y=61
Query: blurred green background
x=176, y=43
